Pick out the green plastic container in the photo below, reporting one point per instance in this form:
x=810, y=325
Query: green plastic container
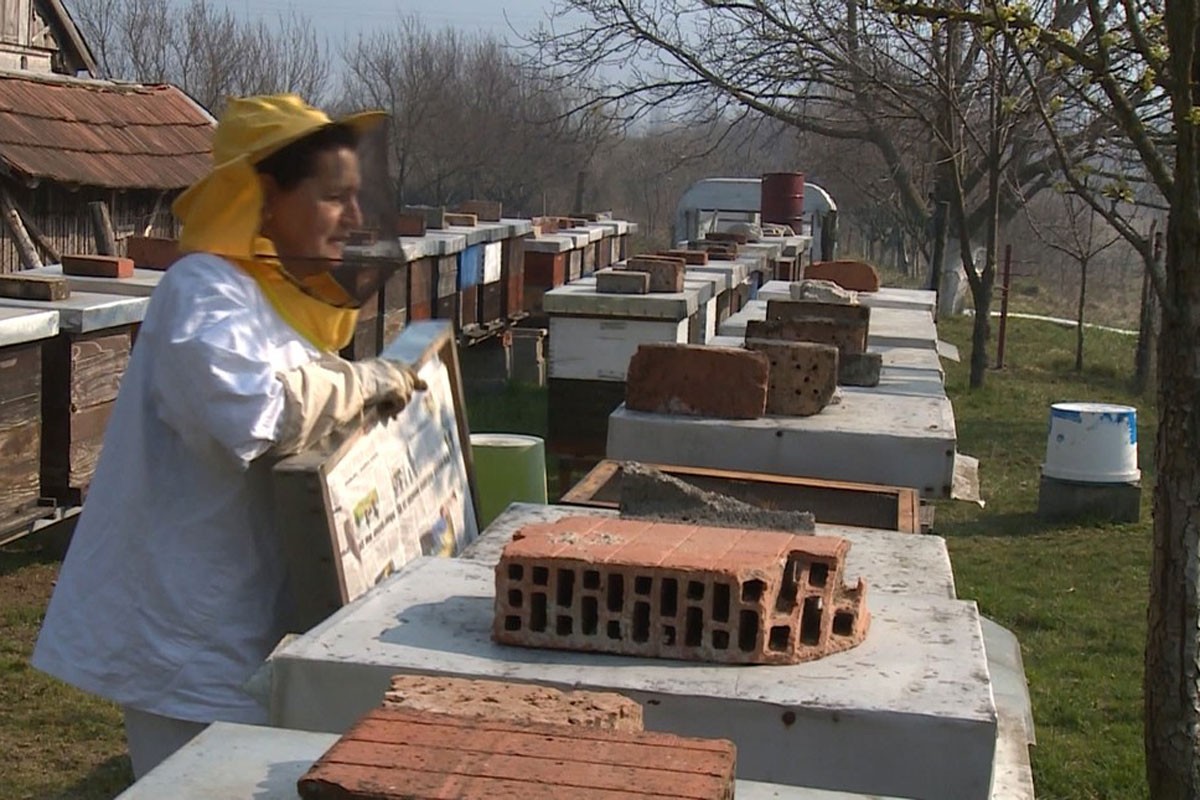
x=509, y=468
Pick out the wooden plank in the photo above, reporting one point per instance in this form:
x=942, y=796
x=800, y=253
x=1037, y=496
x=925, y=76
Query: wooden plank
x=34, y=287
x=20, y=463
x=16, y=225
x=102, y=228
x=98, y=362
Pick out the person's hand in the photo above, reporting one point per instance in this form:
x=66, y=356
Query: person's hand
x=388, y=385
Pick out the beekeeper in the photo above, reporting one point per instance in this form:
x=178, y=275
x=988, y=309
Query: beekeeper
x=172, y=592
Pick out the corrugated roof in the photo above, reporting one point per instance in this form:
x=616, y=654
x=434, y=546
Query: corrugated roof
x=100, y=133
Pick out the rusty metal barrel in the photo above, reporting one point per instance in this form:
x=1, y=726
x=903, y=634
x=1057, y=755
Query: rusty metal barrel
x=782, y=200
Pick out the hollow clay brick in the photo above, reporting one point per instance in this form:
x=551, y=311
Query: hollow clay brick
x=809, y=309
x=666, y=274
x=390, y=755
x=677, y=591
x=622, y=281
x=515, y=703
x=697, y=380
x=98, y=266
x=848, y=338
x=803, y=376
x=857, y=276
x=150, y=252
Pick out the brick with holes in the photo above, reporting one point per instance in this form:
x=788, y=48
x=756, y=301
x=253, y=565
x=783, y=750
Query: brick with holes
x=399, y=755
x=518, y=703
x=666, y=590
x=697, y=380
x=814, y=309
x=666, y=274
x=850, y=338
x=803, y=376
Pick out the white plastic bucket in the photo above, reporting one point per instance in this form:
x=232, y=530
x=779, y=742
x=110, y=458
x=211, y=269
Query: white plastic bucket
x=1092, y=443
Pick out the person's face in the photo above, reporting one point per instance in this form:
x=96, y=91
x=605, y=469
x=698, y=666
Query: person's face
x=309, y=223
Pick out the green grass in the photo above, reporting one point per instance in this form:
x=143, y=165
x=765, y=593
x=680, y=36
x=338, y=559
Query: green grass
x=1075, y=595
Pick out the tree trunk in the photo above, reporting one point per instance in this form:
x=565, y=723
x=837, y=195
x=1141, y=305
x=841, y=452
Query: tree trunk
x=981, y=329
x=1083, y=269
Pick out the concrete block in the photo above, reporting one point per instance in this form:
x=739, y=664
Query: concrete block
x=98, y=266
x=701, y=381
x=395, y=755
x=803, y=376
x=666, y=275
x=622, y=281
x=907, y=713
x=1060, y=500
x=822, y=292
x=857, y=276
x=860, y=369
x=516, y=703
x=662, y=590
x=848, y=337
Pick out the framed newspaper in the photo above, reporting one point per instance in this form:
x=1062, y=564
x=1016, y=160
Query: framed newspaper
x=359, y=508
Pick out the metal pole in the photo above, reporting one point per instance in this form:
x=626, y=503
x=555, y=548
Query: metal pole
x=1004, y=306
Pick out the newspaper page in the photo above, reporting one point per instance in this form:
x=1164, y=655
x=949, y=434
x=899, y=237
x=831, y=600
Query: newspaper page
x=401, y=491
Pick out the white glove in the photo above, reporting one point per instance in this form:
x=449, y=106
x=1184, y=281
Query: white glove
x=324, y=395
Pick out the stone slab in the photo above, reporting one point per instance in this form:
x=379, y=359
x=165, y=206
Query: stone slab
x=249, y=762
x=473, y=234
x=84, y=312
x=886, y=297
x=867, y=437
x=447, y=241
x=897, y=563
x=705, y=285
x=908, y=712
x=18, y=326
x=142, y=284
x=792, y=245
x=732, y=273
x=581, y=298
x=549, y=244
x=895, y=327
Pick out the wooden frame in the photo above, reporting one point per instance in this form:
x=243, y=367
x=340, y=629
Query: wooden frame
x=861, y=505
x=304, y=508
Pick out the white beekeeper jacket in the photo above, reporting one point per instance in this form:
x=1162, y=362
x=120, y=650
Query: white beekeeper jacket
x=172, y=592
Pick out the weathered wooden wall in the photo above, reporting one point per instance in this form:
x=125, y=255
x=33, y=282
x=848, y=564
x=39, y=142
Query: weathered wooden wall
x=62, y=216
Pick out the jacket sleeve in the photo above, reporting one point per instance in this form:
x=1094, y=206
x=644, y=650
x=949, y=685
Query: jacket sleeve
x=213, y=377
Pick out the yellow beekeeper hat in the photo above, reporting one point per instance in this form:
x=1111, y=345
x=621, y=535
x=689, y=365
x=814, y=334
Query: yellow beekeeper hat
x=221, y=213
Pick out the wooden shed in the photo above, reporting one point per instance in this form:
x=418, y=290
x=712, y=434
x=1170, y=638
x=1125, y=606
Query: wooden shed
x=66, y=142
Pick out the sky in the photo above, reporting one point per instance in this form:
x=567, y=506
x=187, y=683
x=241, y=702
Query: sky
x=337, y=18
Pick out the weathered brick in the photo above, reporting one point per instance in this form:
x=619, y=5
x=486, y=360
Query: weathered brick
x=740, y=237
x=690, y=257
x=666, y=275
x=720, y=250
x=803, y=376
x=463, y=220
x=849, y=338
x=435, y=216
x=515, y=703
x=856, y=275
x=859, y=369
x=389, y=755
x=622, y=281
x=697, y=380
x=150, y=252
x=808, y=309
x=487, y=210
x=677, y=591
x=98, y=266
x=410, y=224
x=34, y=287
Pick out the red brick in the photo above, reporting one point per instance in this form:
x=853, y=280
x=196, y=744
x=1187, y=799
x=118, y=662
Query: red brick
x=696, y=380
x=435, y=216
x=666, y=274
x=849, y=338
x=410, y=224
x=726, y=236
x=622, y=281
x=690, y=257
x=515, y=703
x=150, y=252
x=677, y=591
x=98, y=266
x=803, y=376
x=486, y=210
x=390, y=755
x=857, y=276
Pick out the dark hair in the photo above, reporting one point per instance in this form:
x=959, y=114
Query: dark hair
x=297, y=161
